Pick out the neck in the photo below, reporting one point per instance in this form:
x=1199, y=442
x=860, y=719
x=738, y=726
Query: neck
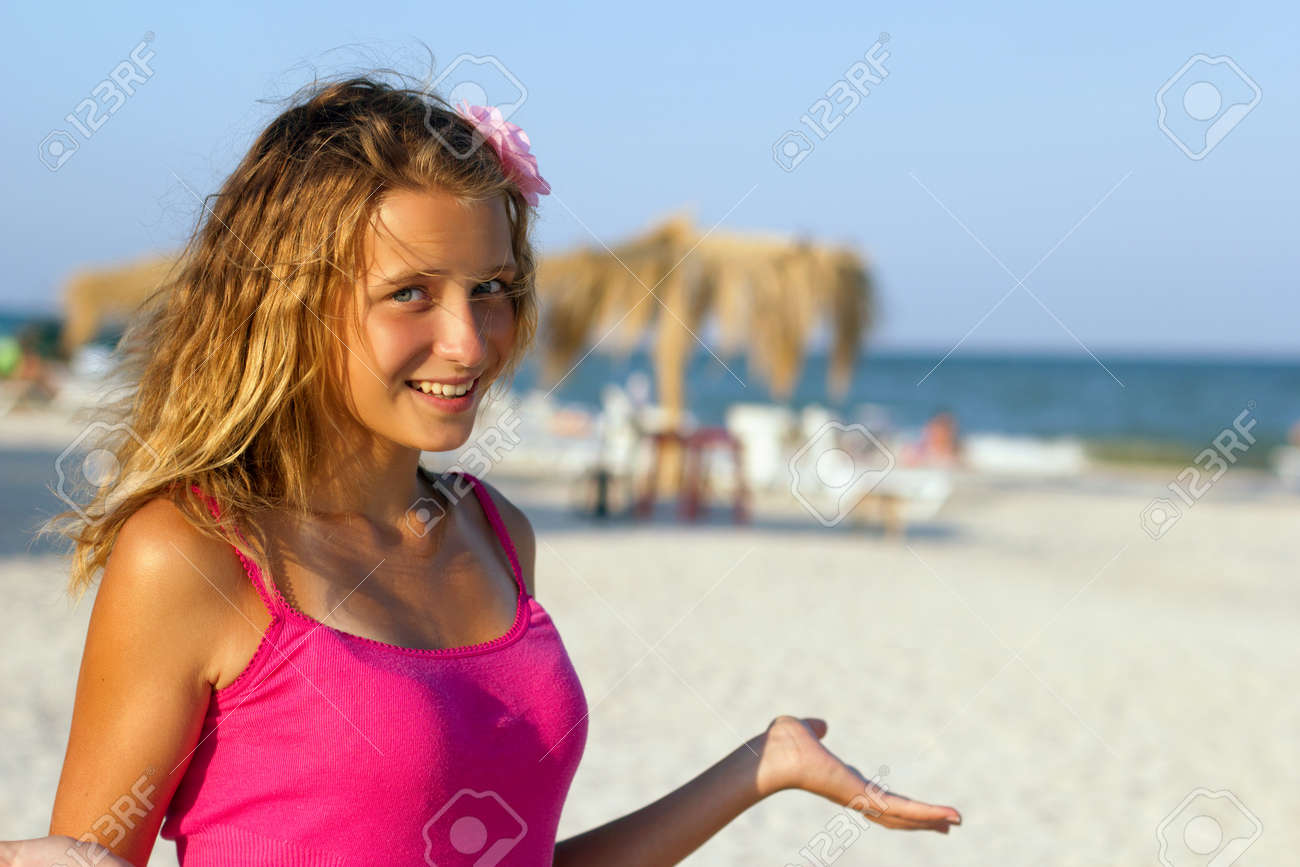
x=369, y=478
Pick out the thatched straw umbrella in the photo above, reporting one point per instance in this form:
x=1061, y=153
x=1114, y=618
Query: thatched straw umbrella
x=94, y=297
x=767, y=294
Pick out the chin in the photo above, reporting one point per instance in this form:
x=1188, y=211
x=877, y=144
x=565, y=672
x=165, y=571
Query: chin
x=448, y=436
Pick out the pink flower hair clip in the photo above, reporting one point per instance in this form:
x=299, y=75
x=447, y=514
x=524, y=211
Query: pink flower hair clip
x=511, y=145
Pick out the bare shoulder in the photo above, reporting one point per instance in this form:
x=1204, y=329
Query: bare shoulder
x=158, y=640
x=159, y=531
x=521, y=533
x=164, y=570
x=158, y=539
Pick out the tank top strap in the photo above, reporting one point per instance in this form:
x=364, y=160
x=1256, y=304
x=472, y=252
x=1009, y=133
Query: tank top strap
x=490, y=509
x=274, y=603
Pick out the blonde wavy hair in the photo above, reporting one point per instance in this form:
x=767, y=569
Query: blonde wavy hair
x=229, y=367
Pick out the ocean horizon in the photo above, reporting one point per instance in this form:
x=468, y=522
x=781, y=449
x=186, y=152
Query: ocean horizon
x=1135, y=405
x=1133, y=408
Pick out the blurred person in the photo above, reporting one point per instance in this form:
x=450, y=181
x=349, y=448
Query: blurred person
x=938, y=444
x=21, y=362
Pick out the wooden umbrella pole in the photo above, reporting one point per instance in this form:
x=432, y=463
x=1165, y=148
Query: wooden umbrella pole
x=672, y=347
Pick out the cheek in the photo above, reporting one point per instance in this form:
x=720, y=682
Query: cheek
x=391, y=343
x=499, y=327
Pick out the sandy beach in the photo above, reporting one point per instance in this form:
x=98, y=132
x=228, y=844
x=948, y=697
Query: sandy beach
x=1030, y=656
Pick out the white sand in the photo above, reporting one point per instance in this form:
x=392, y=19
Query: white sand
x=1034, y=659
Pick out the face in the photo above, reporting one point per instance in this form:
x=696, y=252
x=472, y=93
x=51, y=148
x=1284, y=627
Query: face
x=432, y=309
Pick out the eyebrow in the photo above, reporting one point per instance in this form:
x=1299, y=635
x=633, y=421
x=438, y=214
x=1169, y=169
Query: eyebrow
x=417, y=273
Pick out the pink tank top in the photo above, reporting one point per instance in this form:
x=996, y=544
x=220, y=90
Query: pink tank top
x=335, y=749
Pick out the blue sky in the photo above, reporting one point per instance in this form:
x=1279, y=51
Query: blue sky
x=1001, y=134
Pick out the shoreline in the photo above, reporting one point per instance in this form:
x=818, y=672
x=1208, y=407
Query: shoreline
x=50, y=429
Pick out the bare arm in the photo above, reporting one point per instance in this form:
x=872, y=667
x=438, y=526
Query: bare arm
x=788, y=755
x=674, y=826
x=157, y=632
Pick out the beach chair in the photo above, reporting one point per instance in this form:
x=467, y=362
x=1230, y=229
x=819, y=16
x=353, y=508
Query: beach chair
x=763, y=431
x=874, y=487
x=701, y=445
x=1286, y=463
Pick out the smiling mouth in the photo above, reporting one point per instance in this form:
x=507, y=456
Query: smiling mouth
x=443, y=392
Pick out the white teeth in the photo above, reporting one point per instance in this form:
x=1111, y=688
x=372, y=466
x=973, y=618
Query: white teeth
x=443, y=389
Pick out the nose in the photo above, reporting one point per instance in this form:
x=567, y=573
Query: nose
x=457, y=331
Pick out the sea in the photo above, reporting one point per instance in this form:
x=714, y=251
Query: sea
x=1141, y=408
x=1123, y=409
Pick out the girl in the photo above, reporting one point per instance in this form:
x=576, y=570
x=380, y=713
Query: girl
x=305, y=648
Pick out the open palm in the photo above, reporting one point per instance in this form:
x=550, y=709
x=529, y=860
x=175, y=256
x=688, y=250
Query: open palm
x=792, y=756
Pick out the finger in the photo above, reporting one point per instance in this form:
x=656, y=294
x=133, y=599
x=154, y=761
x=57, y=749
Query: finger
x=904, y=807
x=897, y=823
x=900, y=823
x=818, y=726
x=940, y=828
x=909, y=823
x=892, y=811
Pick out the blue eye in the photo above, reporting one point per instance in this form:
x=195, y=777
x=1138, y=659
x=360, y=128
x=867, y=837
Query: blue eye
x=490, y=283
x=400, y=296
